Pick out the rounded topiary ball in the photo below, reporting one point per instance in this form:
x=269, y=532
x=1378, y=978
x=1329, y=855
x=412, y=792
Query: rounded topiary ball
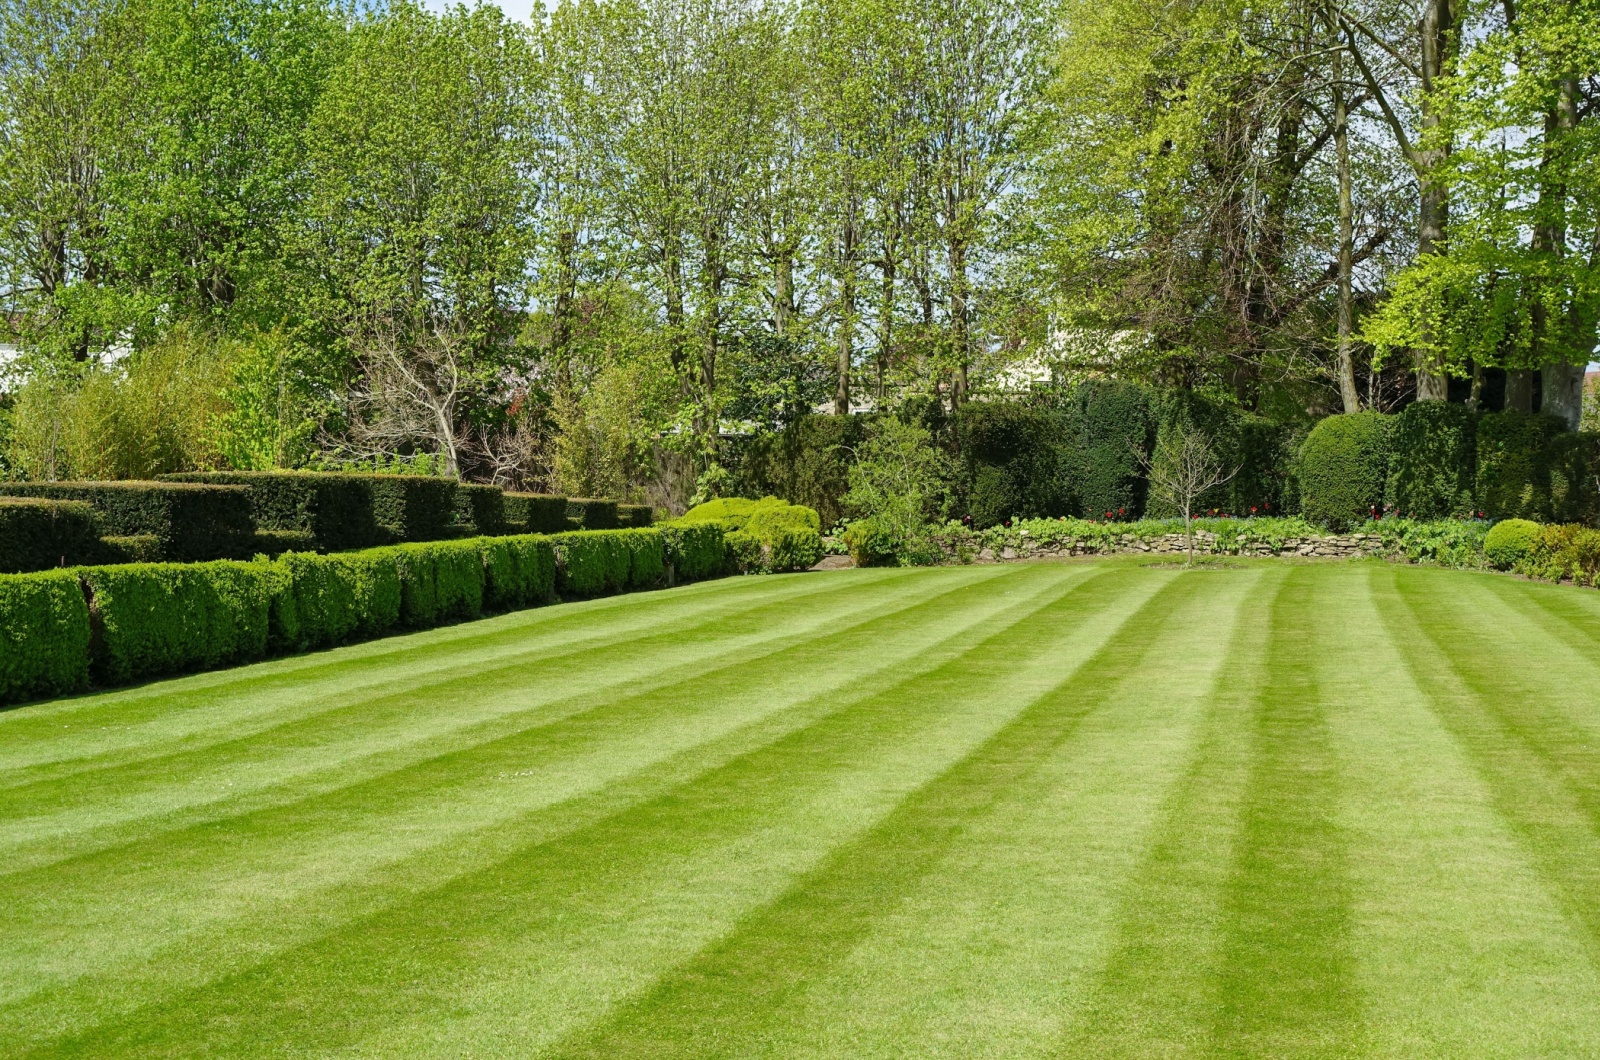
x=1343, y=464
x=1510, y=541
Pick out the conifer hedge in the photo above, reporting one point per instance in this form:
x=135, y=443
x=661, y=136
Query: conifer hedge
x=536, y=513
x=37, y=534
x=192, y=521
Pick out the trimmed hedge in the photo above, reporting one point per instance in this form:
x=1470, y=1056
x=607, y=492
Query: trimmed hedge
x=1343, y=468
x=763, y=536
x=1015, y=462
x=274, y=543
x=482, y=509
x=589, y=513
x=1111, y=423
x=44, y=635
x=323, y=600
x=139, y=548
x=336, y=509
x=1573, y=463
x=693, y=550
x=807, y=464
x=1432, y=448
x=1255, y=449
x=1513, y=464
x=413, y=507
x=536, y=513
x=518, y=571
x=37, y=534
x=636, y=516
x=439, y=581
x=593, y=563
x=162, y=618
x=193, y=521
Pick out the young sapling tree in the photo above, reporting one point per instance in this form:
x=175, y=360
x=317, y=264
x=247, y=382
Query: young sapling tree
x=1182, y=468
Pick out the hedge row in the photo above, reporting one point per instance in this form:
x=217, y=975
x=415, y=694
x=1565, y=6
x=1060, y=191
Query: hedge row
x=36, y=534
x=1437, y=460
x=190, y=521
x=60, y=630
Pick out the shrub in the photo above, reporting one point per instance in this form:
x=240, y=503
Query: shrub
x=693, y=550
x=192, y=521
x=784, y=534
x=1343, y=467
x=322, y=600
x=1253, y=449
x=44, y=635
x=1510, y=543
x=793, y=548
x=636, y=515
x=274, y=543
x=744, y=552
x=336, y=509
x=139, y=548
x=871, y=544
x=1565, y=550
x=1513, y=464
x=1432, y=452
x=647, y=557
x=158, y=618
x=37, y=534
x=536, y=513
x=1112, y=424
x=1013, y=461
x=481, y=509
x=807, y=464
x=587, y=513
x=413, y=507
x=1573, y=463
x=519, y=571
x=439, y=581
x=592, y=563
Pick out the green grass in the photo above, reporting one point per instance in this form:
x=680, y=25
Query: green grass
x=1041, y=810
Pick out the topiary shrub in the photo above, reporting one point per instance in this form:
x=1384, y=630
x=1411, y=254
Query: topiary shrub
x=162, y=618
x=536, y=513
x=1433, y=449
x=193, y=522
x=784, y=534
x=1510, y=543
x=37, y=534
x=1343, y=468
x=44, y=635
x=745, y=554
x=274, y=543
x=439, y=581
x=1513, y=464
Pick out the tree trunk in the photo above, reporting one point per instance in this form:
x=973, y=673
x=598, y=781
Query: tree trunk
x=1519, y=390
x=1348, y=393
x=1440, y=41
x=847, y=312
x=1563, y=381
x=960, y=334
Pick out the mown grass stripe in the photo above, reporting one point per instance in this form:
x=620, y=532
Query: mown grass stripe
x=956, y=623
x=637, y=886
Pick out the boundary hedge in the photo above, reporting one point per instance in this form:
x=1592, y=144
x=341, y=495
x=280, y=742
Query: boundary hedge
x=192, y=521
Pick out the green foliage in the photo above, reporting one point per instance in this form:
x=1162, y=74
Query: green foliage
x=745, y=554
x=322, y=600
x=37, y=534
x=439, y=581
x=1510, y=542
x=336, y=509
x=587, y=513
x=784, y=535
x=519, y=571
x=274, y=543
x=133, y=548
x=481, y=509
x=413, y=507
x=635, y=515
x=536, y=513
x=647, y=557
x=590, y=563
x=44, y=635
x=793, y=548
x=694, y=550
x=1254, y=449
x=1433, y=448
x=1013, y=462
x=192, y=521
x=899, y=483
x=1565, y=551
x=161, y=618
x=1343, y=469
x=1113, y=424
x=873, y=544
x=1573, y=460
x=807, y=464
x=1513, y=464
x=1446, y=542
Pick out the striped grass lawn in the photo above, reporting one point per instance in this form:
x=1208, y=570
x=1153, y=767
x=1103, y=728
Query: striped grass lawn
x=1038, y=810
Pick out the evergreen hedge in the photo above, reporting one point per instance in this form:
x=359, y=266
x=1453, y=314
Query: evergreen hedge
x=192, y=521
x=37, y=534
x=763, y=536
x=335, y=509
x=439, y=581
x=322, y=600
x=592, y=563
x=635, y=516
x=536, y=513
x=1433, y=446
x=162, y=618
x=693, y=550
x=1573, y=464
x=414, y=507
x=481, y=509
x=44, y=635
x=1253, y=448
x=808, y=463
x=591, y=513
x=1014, y=461
x=518, y=571
x=1513, y=458
x=1343, y=468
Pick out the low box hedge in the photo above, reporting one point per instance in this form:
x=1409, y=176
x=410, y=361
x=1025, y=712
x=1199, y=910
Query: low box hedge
x=592, y=563
x=589, y=513
x=519, y=571
x=137, y=548
x=536, y=513
x=647, y=557
x=163, y=618
x=37, y=534
x=693, y=550
x=44, y=635
x=440, y=581
x=322, y=600
x=336, y=509
x=193, y=521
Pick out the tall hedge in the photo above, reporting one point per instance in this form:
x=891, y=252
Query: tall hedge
x=44, y=635
x=536, y=513
x=1343, y=468
x=1254, y=449
x=635, y=516
x=414, y=507
x=336, y=509
x=1514, y=451
x=1112, y=423
x=591, y=513
x=37, y=534
x=1573, y=463
x=192, y=521
x=1433, y=450
x=1012, y=461
x=480, y=509
x=162, y=618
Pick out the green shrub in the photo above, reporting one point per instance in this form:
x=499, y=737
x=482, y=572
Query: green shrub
x=37, y=534
x=274, y=543
x=807, y=464
x=793, y=548
x=591, y=563
x=519, y=571
x=536, y=513
x=871, y=544
x=322, y=600
x=139, y=548
x=1573, y=463
x=1343, y=468
x=413, y=507
x=1511, y=543
x=44, y=635
x=1251, y=447
x=481, y=509
x=439, y=581
x=336, y=509
x=1015, y=461
x=636, y=516
x=647, y=562
x=745, y=554
x=161, y=618
x=1112, y=424
x=588, y=513
x=693, y=550
x=1565, y=550
x=1513, y=464
x=784, y=534
x=1432, y=450
x=192, y=521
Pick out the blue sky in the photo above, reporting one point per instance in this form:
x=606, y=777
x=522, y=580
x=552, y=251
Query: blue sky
x=517, y=9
